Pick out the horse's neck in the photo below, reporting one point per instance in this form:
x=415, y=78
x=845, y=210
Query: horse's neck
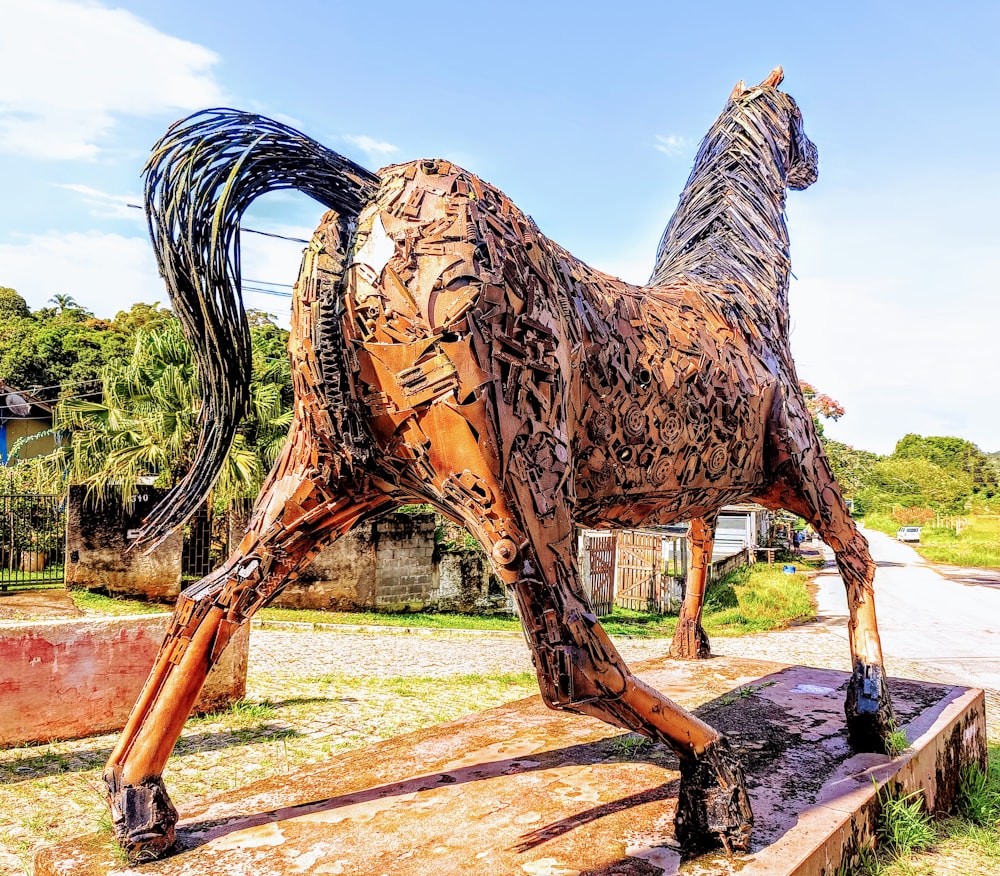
x=729, y=228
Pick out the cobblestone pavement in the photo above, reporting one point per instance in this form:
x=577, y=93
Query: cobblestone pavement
x=279, y=657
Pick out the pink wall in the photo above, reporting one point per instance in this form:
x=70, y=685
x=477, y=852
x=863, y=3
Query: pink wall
x=70, y=678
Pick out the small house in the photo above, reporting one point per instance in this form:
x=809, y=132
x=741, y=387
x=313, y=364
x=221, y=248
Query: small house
x=23, y=415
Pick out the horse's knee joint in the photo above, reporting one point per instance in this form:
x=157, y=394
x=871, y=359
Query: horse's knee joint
x=572, y=677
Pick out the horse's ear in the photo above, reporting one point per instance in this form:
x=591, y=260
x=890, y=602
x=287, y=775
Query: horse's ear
x=738, y=89
x=773, y=79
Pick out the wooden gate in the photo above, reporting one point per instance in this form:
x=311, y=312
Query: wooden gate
x=601, y=552
x=639, y=570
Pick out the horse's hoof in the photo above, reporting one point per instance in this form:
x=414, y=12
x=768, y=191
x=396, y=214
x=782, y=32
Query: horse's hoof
x=870, y=719
x=143, y=818
x=690, y=641
x=713, y=807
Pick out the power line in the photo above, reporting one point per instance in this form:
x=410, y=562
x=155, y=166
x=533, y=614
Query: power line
x=260, y=291
x=248, y=230
x=272, y=234
x=269, y=283
x=35, y=389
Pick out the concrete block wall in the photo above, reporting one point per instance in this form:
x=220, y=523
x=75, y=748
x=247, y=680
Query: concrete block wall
x=389, y=564
x=394, y=564
x=98, y=538
x=405, y=570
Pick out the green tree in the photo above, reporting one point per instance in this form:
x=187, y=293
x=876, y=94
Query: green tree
x=12, y=305
x=143, y=423
x=913, y=482
x=853, y=468
x=49, y=348
x=954, y=455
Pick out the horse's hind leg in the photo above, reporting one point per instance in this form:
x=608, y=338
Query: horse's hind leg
x=690, y=640
x=807, y=487
x=580, y=670
x=293, y=521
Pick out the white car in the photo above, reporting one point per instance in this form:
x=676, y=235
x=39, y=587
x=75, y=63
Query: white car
x=908, y=533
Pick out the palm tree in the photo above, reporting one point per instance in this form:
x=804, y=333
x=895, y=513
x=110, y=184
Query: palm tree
x=145, y=425
x=64, y=302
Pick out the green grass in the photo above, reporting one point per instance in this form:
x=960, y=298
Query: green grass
x=424, y=620
x=896, y=743
x=911, y=843
x=755, y=600
x=979, y=794
x=905, y=826
x=95, y=603
x=977, y=546
x=630, y=745
x=746, y=601
x=49, y=573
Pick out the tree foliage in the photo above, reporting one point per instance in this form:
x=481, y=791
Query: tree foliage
x=954, y=455
x=942, y=473
x=61, y=350
x=128, y=407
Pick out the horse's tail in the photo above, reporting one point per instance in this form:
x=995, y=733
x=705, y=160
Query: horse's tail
x=201, y=177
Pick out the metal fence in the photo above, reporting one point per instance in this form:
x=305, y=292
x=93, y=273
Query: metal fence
x=32, y=541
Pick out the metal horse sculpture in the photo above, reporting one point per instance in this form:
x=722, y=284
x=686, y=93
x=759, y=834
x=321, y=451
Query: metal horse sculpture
x=444, y=351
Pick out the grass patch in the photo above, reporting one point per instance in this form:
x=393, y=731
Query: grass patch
x=630, y=745
x=905, y=826
x=622, y=622
x=239, y=714
x=912, y=844
x=976, y=546
x=96, y=603
x=421, y=619
x=48, y=574
x=756, y=599
x=749, y=600
x=744, y=693
x=746, y=601
x=896, y=743
x=979, y=794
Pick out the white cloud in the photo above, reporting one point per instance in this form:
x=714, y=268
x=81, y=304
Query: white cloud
x=373, y=147
x=106, y=273
x=672, y=144
x=103, y=272
x=106, y=205
x=68, y=68
x=272, y=263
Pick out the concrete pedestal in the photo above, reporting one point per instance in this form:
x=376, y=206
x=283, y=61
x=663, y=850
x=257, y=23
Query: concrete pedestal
x=523, y=790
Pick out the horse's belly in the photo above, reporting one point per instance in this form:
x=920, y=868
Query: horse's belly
x=672, y=455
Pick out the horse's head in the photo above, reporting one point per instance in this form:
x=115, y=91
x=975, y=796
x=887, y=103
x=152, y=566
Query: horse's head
x=801, y=158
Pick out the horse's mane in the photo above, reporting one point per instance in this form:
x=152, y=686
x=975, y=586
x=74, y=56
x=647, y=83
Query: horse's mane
x=729, y=225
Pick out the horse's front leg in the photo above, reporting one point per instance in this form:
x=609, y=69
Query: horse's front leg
x=283, y=537
x=806, y=486
x=690, y=640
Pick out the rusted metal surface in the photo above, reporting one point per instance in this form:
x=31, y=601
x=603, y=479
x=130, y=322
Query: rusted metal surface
x=445, y=351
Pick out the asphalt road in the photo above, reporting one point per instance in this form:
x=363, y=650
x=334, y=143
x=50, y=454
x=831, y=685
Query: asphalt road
x=947, y=620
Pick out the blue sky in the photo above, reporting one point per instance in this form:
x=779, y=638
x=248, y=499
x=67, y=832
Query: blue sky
x=588, y=115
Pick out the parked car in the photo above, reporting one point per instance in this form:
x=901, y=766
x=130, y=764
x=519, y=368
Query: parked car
x=908, y=533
